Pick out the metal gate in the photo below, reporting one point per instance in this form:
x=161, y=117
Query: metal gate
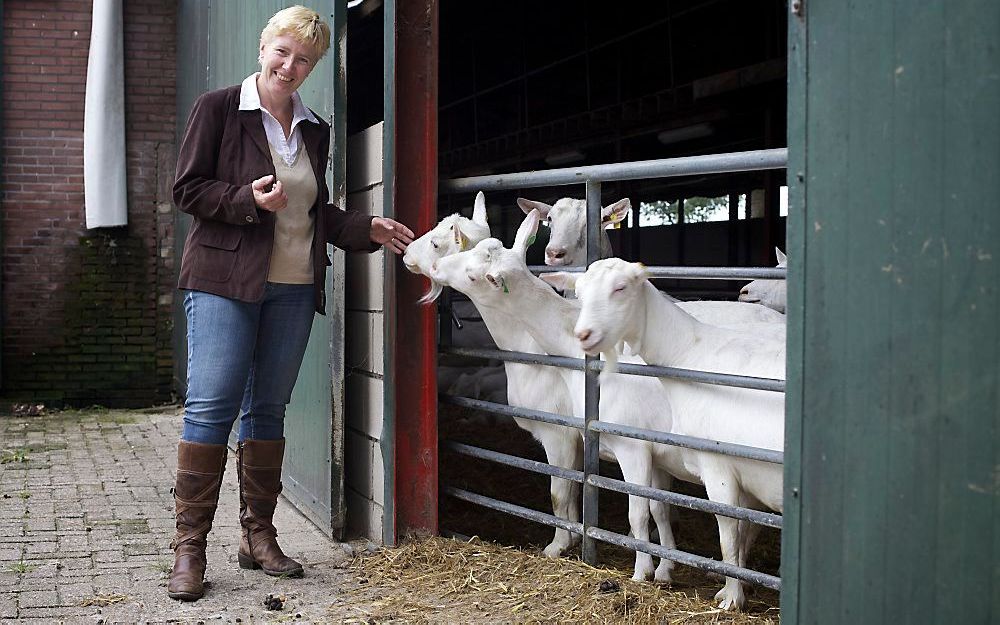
x=591, y=426
x=217, y=47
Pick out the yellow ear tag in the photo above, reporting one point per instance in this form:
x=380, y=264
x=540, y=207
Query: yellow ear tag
x=460, y=240
x=618, y=225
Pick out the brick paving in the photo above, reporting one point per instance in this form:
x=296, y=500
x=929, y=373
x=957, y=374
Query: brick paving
x=86, y=518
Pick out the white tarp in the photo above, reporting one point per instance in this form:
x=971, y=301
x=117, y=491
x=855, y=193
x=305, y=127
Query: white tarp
x=104, y=120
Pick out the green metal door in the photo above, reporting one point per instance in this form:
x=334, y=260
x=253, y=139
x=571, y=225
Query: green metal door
x=892, y=482
x=218, y=43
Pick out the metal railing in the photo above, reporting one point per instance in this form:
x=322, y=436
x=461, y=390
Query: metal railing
x=592, y=427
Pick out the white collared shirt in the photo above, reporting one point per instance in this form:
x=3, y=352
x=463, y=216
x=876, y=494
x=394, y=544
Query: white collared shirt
x=287, y=148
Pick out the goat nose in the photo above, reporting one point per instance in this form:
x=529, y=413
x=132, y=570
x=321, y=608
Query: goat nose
x=583, y=334
x=556, y=252
x=745, y=291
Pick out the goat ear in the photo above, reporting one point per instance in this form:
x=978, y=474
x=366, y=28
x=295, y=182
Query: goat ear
x=782, y=259
x=529, y=205
x=561, y=280
x=526, y=233
x=639, y=272
x=616, y=212
x=495, y=280
x=479, y=210
x=461, y=240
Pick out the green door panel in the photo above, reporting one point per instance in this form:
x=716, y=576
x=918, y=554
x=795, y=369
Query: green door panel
x=893, y=414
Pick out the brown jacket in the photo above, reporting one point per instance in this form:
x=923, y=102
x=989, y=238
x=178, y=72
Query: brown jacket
x=228, y=249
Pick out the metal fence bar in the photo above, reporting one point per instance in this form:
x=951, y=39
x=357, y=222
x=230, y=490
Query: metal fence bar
x=634, y=170
x=698, y=562
x=617, y=429
x=693, y=503
x=692, y=273
x=596, y=533
x=591, y=395
x=512, y=411
x=513, y=509
x=526, y=358
x=718, y=273
x=691, y=442
x=592, y=176
x=706, y=377
x=515, y=461
x=686, y=501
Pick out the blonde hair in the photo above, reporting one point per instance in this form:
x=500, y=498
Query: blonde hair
x=300, y=23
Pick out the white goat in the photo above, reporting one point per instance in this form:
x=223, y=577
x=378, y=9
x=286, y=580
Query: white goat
x=535, y=387
x=567, y=220
x=528, y=386
x=770, y=293
x=620, y=304
x=567, y=246
x=452, y=234
x=511, y=299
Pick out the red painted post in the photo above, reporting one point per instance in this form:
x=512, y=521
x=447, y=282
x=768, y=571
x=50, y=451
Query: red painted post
x=415, y=203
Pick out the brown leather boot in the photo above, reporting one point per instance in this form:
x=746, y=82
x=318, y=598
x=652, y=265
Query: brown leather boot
x=196, y=495
x=259, y=465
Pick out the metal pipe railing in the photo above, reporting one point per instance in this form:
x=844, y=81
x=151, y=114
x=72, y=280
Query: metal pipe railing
x=755, y=160
x=514, y=461
x=567, y=362
x=699, y=562
x=686, y=501
x=591, y=397
x=689, y=273
x=654, y=436
x=592, y=176
x=512, y=411
x=691, y=442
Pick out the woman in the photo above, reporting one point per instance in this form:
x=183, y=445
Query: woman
x=251, y=170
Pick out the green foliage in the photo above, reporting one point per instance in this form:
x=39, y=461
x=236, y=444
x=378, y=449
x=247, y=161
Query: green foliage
x=696, y=210
x=20, y=568
x=19, y=454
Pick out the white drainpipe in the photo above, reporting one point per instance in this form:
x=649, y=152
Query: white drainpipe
x=104, y=159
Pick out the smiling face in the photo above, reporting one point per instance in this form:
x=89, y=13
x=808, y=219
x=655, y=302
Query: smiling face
x=609, y=293
x=285, y=63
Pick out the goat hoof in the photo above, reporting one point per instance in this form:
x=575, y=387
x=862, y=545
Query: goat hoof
x=553, y=551
x=730, y=599
x=662, y=575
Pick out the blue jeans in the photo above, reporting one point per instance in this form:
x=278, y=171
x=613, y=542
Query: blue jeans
x=243, y=359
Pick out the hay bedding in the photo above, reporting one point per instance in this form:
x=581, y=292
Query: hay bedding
x=696, y=532
x=438, y=579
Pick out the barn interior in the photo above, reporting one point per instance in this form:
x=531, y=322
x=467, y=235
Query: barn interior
x=538, y=85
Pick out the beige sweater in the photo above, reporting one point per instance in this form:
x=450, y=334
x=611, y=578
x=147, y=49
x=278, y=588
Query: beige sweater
x=291, y=262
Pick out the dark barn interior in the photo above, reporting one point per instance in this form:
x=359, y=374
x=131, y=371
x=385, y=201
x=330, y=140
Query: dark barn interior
x=528, y=85
x=538, y=85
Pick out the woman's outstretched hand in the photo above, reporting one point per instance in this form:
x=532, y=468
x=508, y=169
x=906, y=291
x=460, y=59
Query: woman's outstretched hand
x=392, y=234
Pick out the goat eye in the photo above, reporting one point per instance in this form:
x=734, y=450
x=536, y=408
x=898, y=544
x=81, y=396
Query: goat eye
x=436, y=246
x=619, y=288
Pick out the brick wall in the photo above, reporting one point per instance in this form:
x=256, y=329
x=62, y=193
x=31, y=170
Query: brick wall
x=85, y=313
